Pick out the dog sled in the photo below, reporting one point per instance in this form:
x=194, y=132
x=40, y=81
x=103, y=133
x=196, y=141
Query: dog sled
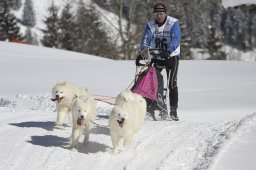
x=149, y=83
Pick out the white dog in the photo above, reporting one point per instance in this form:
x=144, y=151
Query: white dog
x=125, y=118
x=84, y=113
x=63, y=94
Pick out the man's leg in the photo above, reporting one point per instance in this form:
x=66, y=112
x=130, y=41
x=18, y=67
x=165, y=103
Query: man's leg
x=173, y=88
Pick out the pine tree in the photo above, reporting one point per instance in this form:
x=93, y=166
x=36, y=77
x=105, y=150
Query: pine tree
x=81, y=28
x=13, y=4
x=253, y=31
x=29, y=14
x=67, y=26
x=17, y=4
x=186, y=40
x=89, y=36
x=9, y=29
x=237, y=28
x=51, y=33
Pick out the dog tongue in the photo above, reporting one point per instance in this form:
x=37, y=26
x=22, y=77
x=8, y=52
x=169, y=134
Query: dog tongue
x=120, y=123
x=58, y=99
x=80, y=121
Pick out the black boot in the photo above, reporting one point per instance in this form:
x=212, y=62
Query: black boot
x=173, y=114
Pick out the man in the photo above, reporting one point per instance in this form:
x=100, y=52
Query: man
x=163, y=32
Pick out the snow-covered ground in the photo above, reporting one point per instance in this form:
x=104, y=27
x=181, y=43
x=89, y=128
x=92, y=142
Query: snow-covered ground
x=217, y=110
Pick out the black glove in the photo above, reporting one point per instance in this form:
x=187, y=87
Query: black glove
x=158, y=62
x=137, y=61
x=165, y=54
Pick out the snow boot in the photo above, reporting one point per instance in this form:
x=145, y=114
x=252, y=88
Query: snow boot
x=173, y=114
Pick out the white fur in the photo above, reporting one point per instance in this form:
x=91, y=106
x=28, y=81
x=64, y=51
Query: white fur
x=68, y=92
x=86, y=107
x=123, y=97
x=133, y=112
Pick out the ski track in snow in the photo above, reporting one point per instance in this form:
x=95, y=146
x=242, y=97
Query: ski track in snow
x=186, y=145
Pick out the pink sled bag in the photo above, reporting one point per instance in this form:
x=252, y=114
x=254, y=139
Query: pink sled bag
x=146, y=84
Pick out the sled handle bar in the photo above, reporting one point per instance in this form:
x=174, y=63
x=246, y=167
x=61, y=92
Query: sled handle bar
x=137, y=61
x=147, y=54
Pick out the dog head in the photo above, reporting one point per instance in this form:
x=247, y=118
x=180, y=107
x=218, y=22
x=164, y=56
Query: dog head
x=120, y=116
x=123, y=97
x=81, y=110
x=61, y=91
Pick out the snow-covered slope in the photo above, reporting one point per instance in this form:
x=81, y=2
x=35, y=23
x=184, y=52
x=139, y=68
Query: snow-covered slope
x=217, y=114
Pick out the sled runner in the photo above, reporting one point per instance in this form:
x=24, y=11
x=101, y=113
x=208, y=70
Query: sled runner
x=149, y=83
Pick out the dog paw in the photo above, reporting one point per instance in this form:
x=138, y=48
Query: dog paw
x=111, y=151
x=58, y=124
x=73, y=149
x=115, y=152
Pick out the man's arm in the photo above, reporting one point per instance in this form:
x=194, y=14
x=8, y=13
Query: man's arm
x=175, y=37
x=146, y=38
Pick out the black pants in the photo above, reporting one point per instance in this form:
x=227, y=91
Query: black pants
x=172, y=71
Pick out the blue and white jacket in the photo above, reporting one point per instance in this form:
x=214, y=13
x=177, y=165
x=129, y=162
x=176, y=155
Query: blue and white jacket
x=165, y=37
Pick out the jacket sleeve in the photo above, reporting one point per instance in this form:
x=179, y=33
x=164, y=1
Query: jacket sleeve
x=146, y=38
x=175, y=36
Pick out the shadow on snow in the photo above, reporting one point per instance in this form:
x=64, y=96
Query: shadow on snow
x=49, y=126
x=56, y=141
x=63, y=142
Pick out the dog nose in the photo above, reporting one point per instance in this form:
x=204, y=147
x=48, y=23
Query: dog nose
x=57, y=96
x=123, y=119
x=82, y=116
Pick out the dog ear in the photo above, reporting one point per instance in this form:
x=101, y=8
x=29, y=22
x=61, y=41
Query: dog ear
x=85, y=90
x=125, y=96
x=128, y=96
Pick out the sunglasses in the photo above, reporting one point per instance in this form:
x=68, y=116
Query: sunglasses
x=159, y=13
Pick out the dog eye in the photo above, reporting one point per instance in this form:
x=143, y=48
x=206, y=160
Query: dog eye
x=79, y=110
x=119, y=114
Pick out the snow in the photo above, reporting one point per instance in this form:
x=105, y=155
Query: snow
x=231, y=54
x=217, y=113
x=231, y=3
